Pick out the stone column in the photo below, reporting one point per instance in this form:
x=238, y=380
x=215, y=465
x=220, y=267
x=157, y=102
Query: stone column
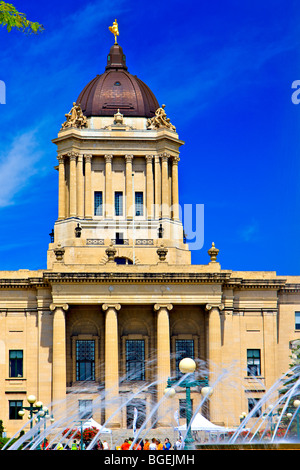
x=61, y=188
x=59, y=374
x=80, y=187
x=128, y=187
x=175, y=197
x=165, y=206
x=108, y=187
x=149, y=186
x=88, y=187
x=215, y=359
x=73, y=180
x=157, y=183
x=112, y=364
x=163, y=357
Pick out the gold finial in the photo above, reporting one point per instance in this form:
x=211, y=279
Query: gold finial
x=115, y=30
x=213, y=253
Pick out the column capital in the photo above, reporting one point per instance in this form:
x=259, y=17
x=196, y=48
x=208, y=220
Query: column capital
x=209, y=307
x=116, y=307
x=165, y=156
x=73, y=155
x=175, y=160
x=64, y=307
x=61, y=158
x=163, y=306
x=128, y=158
x=108, y=158
x=88, y=157
x=149, y=158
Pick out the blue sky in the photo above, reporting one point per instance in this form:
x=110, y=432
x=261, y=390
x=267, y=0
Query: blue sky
x=224, y=69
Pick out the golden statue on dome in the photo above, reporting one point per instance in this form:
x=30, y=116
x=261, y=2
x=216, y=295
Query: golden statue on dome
x=115, y=30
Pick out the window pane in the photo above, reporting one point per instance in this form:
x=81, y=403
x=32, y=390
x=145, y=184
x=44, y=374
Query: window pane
x=85, y=409
x=140, y=406
x=252, y=402
x=16, y=363
x=182, y=408
x=139, y=204
x=253, y=362
x=135, y=359
x=118, y=203
x=183, y=348
x=85, y=360
x=14, y=408
x=297, y=320
x=98, y=207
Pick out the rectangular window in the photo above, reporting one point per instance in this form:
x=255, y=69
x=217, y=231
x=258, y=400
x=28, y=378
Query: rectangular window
x=118, y=203
x=297, y=320
x=14, y=408
x=252, y=402
x=136, y=409
x=139, y=203
x=119, y=238
x=253, y=362
x=135, y=359
x=16, y=363
x=85, y=409
x=85, y=360
x=183, y=348
x=182, y=408
x=98, y=203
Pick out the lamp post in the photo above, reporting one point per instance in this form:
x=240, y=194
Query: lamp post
x=188, y=366
x=33, y=408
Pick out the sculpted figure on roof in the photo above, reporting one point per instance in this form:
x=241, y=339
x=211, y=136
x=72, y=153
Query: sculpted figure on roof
x=75, y=118
x=160, y=120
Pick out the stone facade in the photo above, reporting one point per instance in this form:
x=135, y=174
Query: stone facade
x=122, y=273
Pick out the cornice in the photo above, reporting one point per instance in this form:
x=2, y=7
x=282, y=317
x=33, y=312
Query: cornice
x=178, y=278
x=30, y=283
x=239, y=283
x=222, y=278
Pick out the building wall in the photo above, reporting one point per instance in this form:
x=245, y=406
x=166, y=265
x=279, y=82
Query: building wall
x=256, y=318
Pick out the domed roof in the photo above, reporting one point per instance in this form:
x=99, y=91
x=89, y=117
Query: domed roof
x=116, y=89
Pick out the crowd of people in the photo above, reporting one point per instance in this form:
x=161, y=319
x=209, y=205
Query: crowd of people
x=152, y=445
x=128, y=444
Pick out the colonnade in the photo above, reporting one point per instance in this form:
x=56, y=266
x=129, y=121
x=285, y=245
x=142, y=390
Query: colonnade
x=112, y=351
x=75, y=197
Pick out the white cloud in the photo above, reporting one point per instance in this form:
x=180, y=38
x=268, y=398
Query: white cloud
x=18, y=164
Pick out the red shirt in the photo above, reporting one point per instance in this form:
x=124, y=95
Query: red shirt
x=125, y=446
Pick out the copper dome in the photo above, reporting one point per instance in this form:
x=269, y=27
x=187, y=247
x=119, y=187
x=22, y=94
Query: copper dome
x=116, y=89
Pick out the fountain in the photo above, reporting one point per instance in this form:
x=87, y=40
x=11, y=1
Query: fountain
x=263, y=433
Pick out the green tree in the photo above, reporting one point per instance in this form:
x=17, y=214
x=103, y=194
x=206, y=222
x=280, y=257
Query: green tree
x=12, y=18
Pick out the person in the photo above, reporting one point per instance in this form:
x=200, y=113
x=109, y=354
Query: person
x=74, y=445
x=125, y=445
x=105, y=445
x=59, y=446
x=137, y=446
x=159, y=445
x=167, y=444
x=147, y=444
x=179, y=444
x=153, y=444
